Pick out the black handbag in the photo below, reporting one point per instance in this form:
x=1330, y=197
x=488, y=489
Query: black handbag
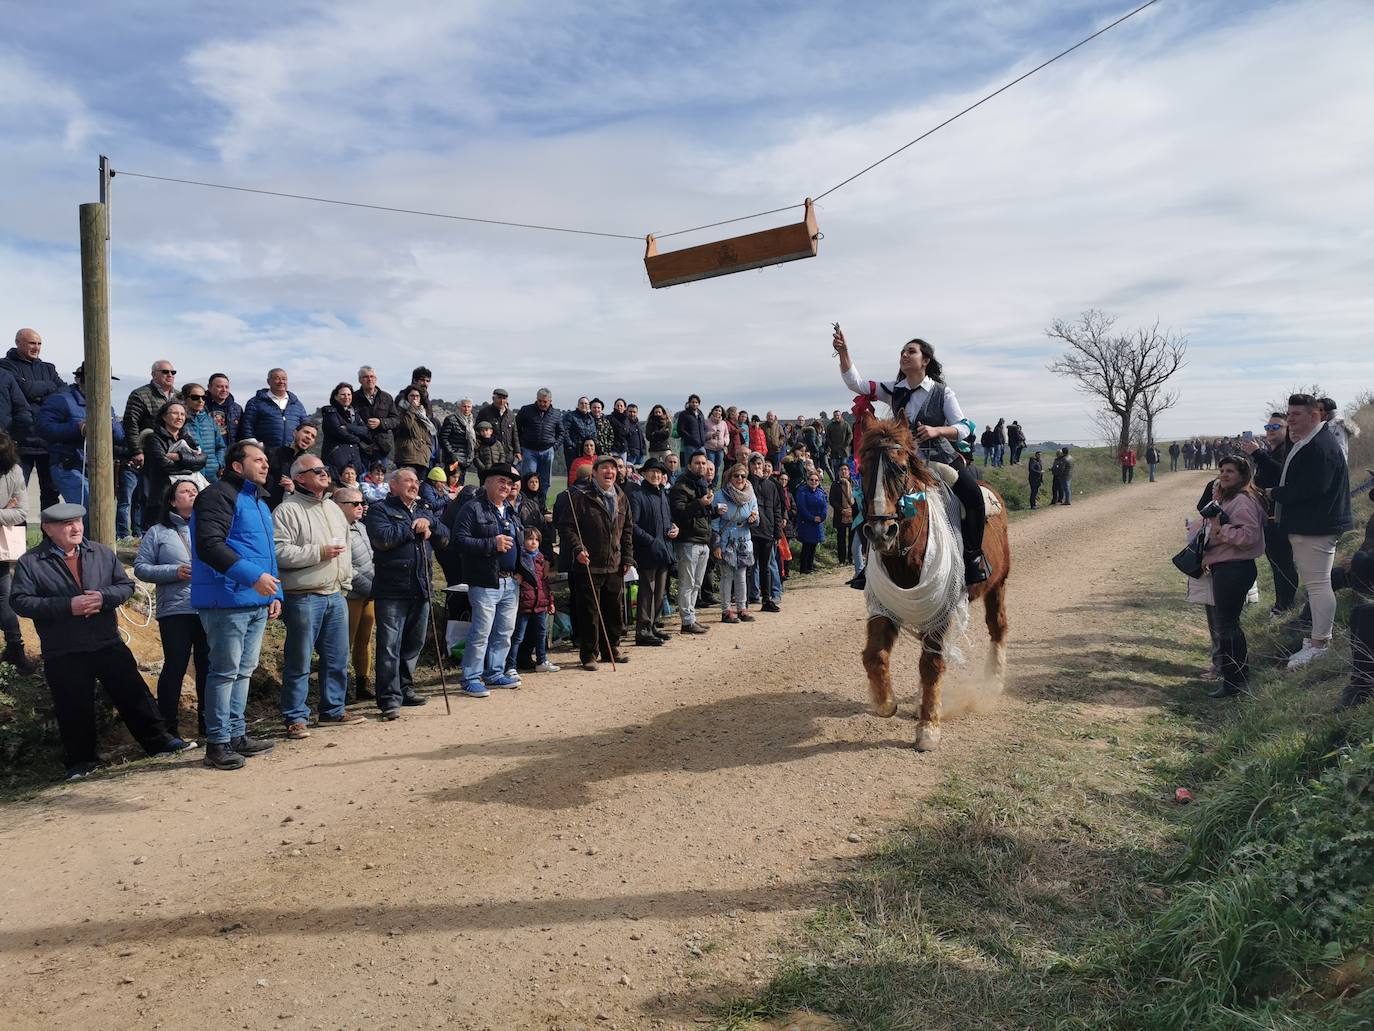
x=1189, y=560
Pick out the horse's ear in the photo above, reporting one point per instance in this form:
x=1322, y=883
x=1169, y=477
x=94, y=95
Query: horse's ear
x=867, y=421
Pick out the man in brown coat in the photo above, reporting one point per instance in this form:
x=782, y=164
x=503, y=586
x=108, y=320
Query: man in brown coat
x=598, y=531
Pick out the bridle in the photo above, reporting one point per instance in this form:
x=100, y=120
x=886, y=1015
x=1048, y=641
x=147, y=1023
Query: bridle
x=907, y=502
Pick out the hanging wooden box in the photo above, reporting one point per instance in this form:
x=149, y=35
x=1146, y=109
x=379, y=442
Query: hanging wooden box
x=757, y=250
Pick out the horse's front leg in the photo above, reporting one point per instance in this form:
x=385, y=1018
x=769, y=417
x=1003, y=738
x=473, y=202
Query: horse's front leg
x=882, y=635
x=932, y=669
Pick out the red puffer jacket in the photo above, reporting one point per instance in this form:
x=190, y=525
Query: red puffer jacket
x=536, y=597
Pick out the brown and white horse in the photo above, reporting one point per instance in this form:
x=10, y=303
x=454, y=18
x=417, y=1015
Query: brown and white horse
x=902, y=540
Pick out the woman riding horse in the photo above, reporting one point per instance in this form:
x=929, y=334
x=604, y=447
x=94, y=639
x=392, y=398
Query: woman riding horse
x=936, y=421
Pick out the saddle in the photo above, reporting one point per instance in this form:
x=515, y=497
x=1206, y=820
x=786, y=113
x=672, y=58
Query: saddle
x=947, y=475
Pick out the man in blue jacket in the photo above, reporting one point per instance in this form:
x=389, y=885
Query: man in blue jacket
x=36, y=379
x=72, y=589
x=62, y=423
x=578, y=425
x=235, y=591
x=272, y=414
x=404, y=532
x=488, y=536
x=539, y=429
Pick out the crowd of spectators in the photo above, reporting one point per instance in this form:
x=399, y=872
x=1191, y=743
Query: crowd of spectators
x=333, y=520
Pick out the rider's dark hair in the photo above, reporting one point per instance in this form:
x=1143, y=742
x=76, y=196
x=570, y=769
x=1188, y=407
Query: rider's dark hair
x=933, y=368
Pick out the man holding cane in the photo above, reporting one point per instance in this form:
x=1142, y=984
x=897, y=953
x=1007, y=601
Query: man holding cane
x=598, y=530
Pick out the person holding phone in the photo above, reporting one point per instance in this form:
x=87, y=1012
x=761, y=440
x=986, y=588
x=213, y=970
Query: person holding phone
x=919, y=394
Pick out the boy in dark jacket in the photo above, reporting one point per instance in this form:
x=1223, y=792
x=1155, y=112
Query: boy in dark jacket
x=491, y=451
x=536, y=603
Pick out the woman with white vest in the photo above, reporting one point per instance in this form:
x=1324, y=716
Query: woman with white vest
x=931, y=409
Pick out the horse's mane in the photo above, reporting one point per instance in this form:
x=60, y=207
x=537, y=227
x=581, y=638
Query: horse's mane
x=881, y=434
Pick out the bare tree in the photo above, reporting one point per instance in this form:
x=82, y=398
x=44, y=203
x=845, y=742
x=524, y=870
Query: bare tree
x=1116, y=368
x=1153, y=403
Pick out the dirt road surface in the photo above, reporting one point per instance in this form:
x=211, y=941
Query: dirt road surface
x=609, y=850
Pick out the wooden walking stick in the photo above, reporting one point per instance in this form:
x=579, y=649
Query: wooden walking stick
x=438, y=648
x=591, y=584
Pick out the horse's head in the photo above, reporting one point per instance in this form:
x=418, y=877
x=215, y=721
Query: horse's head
x=891, y=469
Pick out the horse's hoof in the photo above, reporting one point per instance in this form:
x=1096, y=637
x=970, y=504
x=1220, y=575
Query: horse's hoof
x=886, y=711
x=927, y=738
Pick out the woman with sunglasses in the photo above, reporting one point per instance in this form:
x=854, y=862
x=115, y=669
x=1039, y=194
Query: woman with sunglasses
x=920, y=395
x=201, y=425
x=171, y=453
x=736, y=510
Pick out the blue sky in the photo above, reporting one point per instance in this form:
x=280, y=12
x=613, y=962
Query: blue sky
x=1204, y=165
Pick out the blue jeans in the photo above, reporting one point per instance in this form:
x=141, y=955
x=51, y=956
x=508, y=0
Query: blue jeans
x=1068, y=492
x=536, y=624
x=857, y=548
x=128, y=516
x=540, y=462
x=489, y=636
x=314, y=622
x=235, y=637
x=716, y=458
x=401, y=626
x=76, y=490
x=1152, y=471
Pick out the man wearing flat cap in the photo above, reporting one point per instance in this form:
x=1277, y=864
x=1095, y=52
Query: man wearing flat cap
x=502, y=418
x=654, y=532
x=598, y=531
x=72, y=589
x=488, y=535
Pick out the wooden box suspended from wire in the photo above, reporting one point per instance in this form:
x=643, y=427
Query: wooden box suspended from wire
x=757, y=250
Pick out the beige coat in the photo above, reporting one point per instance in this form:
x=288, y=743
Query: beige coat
x=303, y=527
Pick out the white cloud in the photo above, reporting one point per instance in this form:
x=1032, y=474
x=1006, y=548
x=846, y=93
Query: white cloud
x=1210, y=176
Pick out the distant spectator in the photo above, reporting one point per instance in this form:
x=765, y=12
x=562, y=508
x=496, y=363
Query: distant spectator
x=416, y=434
x=362, y=613
x=222, y=407
x=346, y=432
x=1152, y=457
x=691, y=429
x=1035, y=476
x=1343, y=430
x=377, y=409
x=458, y=439
x=578, y=425
x=811, y=513
x=140, y=418
x=170, y=453
x=374, y=485
x=654, y=533
x=1126, y=456
x=502, y=418
x=1016, y=440
x=842, y=510
x=280, y=460
x=1234, y=539
x=691, y=501
x=636, y=442
x=658, y=431
x=1269, y=460
x=839, y=440
x=539, y=429
x=62, y=422
x=14, y=495
x=272, y=414
x=1174, y=452
x=36, y=380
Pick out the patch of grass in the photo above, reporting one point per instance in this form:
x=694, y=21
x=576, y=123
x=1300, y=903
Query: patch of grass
x=1059, y=886
x=1095, y=470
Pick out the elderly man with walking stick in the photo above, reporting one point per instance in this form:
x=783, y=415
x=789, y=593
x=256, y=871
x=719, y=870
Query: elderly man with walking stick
x=598, y=531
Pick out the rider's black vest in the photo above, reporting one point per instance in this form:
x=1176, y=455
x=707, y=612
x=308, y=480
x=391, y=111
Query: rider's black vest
x=938, y=449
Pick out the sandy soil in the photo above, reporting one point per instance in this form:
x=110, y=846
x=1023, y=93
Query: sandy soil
x=594, y=850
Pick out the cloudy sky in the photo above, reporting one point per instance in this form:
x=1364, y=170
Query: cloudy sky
x=1204, y=164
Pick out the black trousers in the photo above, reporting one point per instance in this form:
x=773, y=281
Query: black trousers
x=183, y=638
x=653, y=585
x=763, y=547
x=1279, y=551
x=72, y=680
x=808, y=557
x=9, y=622
x=589, y=590
x=1035, y=493
x=842, y=548
x=1361, y=688
x=970, y=494
x=1231, y=581
x=47, y=489
x=1128, y=474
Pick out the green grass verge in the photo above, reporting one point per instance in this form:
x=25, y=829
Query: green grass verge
x=1057, y=885
x=1095, y=470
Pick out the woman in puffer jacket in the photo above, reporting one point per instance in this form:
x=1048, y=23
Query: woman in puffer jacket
x=164, y=559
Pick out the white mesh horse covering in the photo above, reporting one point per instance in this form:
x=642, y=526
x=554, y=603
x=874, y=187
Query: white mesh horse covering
x=939, y=601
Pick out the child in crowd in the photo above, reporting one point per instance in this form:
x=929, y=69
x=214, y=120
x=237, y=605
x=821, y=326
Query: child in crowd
x=536, y=604
x=374, y=486
x=348, y=476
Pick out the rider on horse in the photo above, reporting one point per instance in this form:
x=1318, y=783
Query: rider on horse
x=937, y=422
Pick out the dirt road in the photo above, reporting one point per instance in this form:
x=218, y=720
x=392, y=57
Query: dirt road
x=593, y=850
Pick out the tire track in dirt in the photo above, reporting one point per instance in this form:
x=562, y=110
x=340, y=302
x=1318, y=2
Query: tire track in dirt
x=616, y=846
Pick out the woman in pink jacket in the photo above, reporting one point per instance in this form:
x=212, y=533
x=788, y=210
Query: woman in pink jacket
x=1235, y=538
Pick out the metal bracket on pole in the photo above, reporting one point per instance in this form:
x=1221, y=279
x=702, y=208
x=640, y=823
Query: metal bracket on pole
x=106, y=175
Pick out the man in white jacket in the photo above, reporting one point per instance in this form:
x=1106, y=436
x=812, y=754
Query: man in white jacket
x=310, y=534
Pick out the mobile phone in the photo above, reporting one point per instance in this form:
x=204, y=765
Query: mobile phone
x=1248, y=435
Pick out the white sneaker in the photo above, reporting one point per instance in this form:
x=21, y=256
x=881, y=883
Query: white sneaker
x=1308, y=652
x=512, y=675
x=546, y=667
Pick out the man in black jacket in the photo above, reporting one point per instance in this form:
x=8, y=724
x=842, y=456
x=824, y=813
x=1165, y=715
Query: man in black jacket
x=767, y=531
x=654, y=533
x=404, y=532
x=280, y=460
x=691, y=429
x=377, y=408
x=1268, y=460
x=691, y=503
x=539, y=429
x=502, y=420
x=1035, y=476
x=1312, y=503
x=36, y=379
x=72, y=589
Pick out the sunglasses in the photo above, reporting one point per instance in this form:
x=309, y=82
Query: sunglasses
x=166, y=372
x=1272, y=426
x=195, y=397
x=360, y=504
x=316, y=470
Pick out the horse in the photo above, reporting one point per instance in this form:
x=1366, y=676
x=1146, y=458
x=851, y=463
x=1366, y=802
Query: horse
x=906, y=538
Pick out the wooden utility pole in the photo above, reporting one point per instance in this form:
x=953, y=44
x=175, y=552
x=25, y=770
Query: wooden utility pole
x=95, y=308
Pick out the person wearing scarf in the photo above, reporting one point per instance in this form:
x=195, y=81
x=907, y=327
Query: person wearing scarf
x=736, y=511
x=415, y=434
